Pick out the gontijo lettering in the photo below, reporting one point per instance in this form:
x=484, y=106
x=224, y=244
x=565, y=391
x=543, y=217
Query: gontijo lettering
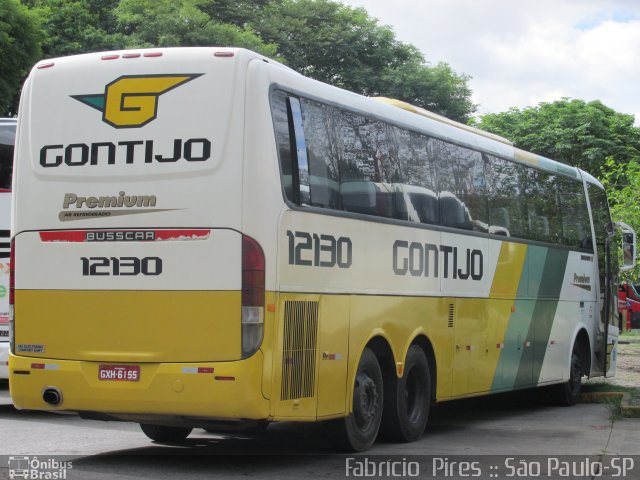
x=420, y=259
x=127, y=152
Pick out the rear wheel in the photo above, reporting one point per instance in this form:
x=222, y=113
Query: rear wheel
x=358, y=431
x=566, y=394
x=163, y=433
x=407, y=404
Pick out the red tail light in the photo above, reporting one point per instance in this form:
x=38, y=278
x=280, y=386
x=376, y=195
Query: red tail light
x=252, y=273
x=253, y=285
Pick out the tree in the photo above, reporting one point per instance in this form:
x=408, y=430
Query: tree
x=322, y=39
x=345, y=47
x=571, y=131
x=72, y=27
x=623, y=190
x=20, y=48
x=167, y=23
x=242, y=13
x=438, y=89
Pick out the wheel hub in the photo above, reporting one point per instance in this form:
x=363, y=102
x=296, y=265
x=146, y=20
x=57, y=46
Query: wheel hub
x=366, y=399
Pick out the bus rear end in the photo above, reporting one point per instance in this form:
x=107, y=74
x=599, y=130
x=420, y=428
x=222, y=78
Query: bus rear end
x=136, y=295
x=7, y=138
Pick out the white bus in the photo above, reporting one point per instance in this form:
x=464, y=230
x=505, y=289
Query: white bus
x=202, y=235
x=7, y=139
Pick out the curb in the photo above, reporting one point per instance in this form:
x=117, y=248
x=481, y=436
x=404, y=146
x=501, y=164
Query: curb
x=626, y=406
x=599, y=397
x=628, y=340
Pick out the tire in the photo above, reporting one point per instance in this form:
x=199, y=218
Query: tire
x=163, y=433
x=358, y=431
x=566, y=394
x=407, y=402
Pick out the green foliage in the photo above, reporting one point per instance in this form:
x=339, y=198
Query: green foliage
x=570, y=131
x=623, y=189
x=78, y=26
x=170, y=23
x=438, y=89
x=345, y=47
x=322, y=39
x=20, y=47
x=242, y=13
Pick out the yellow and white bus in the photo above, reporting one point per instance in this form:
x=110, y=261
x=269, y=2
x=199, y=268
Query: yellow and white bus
x=202, y=235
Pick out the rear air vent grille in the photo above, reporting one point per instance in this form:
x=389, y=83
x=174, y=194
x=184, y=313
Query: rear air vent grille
x=299, y=350
x=451, y=315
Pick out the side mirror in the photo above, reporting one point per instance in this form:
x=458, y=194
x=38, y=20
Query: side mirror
x=628, y=246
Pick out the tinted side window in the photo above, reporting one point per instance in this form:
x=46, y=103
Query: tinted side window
x=365, y=164
x=418, y=190
x=283, y=142
x=7, y=139
x=543, y=212
x=323, y=148
x=576, y=227
x=507, y=207
x=600, y=212
x=461, y=186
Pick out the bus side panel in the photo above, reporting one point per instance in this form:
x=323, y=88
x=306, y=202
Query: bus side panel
x=575, y=310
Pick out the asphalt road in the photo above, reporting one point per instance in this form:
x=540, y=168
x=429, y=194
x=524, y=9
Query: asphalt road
x=512, y=425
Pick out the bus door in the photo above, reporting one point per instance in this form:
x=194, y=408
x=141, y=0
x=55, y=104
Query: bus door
x=607, y=277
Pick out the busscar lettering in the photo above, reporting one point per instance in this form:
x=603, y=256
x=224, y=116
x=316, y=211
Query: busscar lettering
x=121, y=236
x=126, y=152
x=426, y=259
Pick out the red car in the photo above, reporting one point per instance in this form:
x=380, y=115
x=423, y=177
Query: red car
x=629, y=305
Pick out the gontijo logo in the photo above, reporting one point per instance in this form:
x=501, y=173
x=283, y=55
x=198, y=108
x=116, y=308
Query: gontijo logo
x=131, y=101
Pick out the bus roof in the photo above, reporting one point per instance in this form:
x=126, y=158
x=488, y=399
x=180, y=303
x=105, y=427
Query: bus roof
x=520, y=156
x=440, y=118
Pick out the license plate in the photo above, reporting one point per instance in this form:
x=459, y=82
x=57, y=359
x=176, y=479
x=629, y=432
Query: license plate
x=123, y=373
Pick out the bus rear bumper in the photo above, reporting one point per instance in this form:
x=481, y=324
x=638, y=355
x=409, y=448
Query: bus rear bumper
x=216, y=390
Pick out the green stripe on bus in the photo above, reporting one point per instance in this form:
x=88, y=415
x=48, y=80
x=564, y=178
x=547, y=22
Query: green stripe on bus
x=544, y=311
x=547, y=305
x=519, y=321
